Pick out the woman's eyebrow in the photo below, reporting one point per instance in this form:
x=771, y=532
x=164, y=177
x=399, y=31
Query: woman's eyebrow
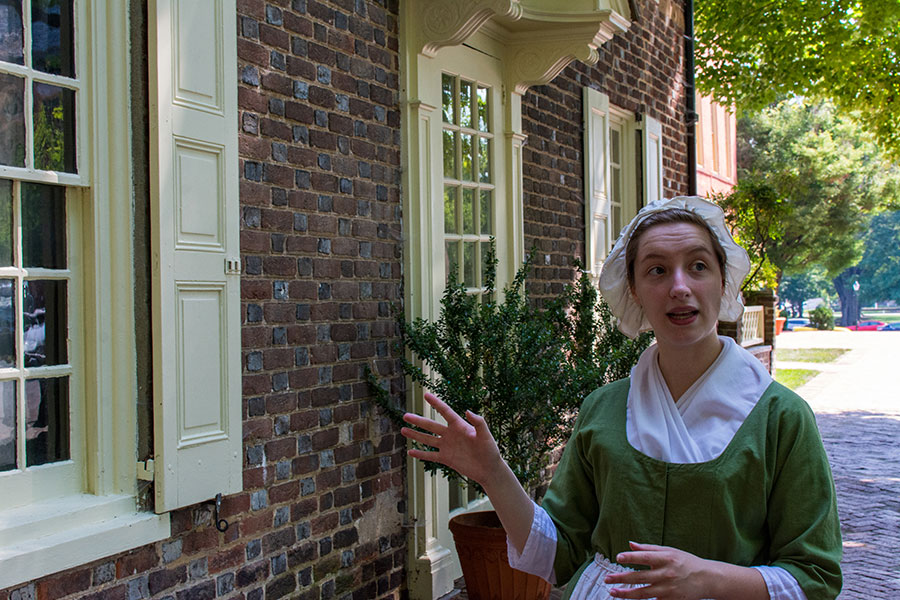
x=700, y=249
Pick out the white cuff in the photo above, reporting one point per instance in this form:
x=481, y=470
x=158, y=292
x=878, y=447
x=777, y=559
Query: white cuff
x=540, y=548
x=781, y=584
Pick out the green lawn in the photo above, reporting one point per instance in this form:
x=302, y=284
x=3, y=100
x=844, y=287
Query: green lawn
x=816, y=355
x=794, y=378
x=890, y=317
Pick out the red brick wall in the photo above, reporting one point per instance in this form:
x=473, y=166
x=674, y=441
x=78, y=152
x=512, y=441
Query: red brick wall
x=641, y=71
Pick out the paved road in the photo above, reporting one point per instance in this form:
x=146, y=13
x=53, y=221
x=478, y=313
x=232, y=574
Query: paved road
x=857, y=403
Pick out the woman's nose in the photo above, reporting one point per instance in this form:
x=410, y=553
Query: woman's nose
x=679, y=286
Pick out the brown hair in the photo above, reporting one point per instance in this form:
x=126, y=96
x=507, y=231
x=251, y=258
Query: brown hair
x=672, y=215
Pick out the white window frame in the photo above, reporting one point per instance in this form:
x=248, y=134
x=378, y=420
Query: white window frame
x=599, y=119
x=53, y=535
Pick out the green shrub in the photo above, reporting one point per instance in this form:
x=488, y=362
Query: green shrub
x=821, y=317
x=524, y=369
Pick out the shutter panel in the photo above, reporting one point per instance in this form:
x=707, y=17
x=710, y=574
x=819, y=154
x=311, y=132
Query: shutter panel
x=653, y=188
x=596, y=175
x=195, y=248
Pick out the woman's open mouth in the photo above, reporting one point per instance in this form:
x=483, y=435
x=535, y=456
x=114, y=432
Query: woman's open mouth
x=683, y=317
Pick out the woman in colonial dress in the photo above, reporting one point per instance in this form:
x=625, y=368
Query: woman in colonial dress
x=696, y=477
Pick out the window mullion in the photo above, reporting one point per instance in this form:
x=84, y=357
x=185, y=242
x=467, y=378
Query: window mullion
x=20, y=325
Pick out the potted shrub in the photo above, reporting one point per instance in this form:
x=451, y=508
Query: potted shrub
x=524, y=369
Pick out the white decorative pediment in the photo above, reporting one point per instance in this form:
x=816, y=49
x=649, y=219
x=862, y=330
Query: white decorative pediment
x=539, y=37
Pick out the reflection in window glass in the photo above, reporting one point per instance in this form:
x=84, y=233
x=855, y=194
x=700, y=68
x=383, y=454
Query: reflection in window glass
x=468, y=211
x=52, y=50
x=484, y=160
x=465, y=104
x=46, y=420
x=43, y=226
x=7, y=323
x=450, y=223
x=452, y=263
x=447, y=111
x=54, y=128
x=45, y=323
x=485, y=216
x=449, y=149
x=7, y=425
x=11, y=32
x=482, y=99
x=12, y=120
x=469, y=264
x=6, y=223
x=485, y=261
x=467, y=157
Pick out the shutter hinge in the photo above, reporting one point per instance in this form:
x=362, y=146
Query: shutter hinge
x=232, y=266
x=145, y=470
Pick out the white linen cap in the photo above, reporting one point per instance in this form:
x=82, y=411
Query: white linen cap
x=613, y=282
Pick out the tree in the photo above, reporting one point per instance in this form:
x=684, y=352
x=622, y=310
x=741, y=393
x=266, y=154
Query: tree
x=879, y=270
x=751, y=54
x=809, y=179
x=799, y=288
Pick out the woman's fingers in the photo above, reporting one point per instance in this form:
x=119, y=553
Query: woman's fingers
x=422, y=438
x=425, y=423
x=443, y=409
x=425, y=455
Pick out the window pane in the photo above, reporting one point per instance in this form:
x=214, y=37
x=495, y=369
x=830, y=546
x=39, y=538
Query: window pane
x=468, y=210
x=485, y=212
x=485, y=255
x=451, y=225
x=465, y=104
x=52, y=50
x=12, y=120
x=447, y=98
x=616, y=222
x=46, y=420
x=6, y=223
x=484, y=160
x=467, y=157
x=7, y=425
x=11, y=32
x=7, y=322
x=469, y=264
x=43, y=226
x=614, y=147
x=45, y=313
x=54, y=128
x=615, y=193
x=449, y=154
x=452, y=262
x=482, y=100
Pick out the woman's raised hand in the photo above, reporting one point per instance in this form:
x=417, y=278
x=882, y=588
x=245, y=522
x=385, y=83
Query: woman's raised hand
x=464, y=445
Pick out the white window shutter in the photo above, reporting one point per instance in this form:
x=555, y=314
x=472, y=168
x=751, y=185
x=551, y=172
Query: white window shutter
x=596, y=176
x=653, y=188
x=195, y=250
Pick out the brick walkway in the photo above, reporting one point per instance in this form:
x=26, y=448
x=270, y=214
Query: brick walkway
x=857, y=405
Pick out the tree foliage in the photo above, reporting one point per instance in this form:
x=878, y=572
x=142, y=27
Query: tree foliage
x=799, y=288
x=879, y=269
x=524, y=369
x=808, y=180
x=751, y=54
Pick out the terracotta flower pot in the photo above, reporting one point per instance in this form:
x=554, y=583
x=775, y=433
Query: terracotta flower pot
x=481, y=546
x=779, y=324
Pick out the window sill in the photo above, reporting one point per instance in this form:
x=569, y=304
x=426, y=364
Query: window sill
x=55, y=535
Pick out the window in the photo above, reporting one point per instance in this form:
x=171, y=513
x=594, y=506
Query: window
x=613, y=194
x=466, y=141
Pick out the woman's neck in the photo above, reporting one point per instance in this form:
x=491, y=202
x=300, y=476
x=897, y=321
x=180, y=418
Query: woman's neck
x=681, y=367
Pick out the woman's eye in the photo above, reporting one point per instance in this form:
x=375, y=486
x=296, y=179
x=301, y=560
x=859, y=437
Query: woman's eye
x=655, y=271
x=700, y=266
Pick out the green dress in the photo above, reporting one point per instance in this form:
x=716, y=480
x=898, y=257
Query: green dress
x=768, y=499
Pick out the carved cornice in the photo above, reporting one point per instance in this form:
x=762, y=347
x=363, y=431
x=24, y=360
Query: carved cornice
x=538, y=38
x=448, y=22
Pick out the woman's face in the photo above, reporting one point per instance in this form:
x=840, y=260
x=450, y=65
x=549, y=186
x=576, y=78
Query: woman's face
x=678, y=283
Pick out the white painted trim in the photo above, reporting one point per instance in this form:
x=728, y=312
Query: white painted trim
x=60, y=534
